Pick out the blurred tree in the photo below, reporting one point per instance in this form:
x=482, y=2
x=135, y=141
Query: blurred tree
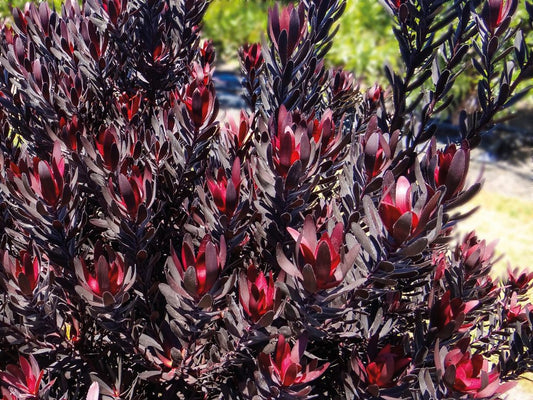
x=6, y=5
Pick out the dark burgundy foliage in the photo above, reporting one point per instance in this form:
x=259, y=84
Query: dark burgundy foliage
x=306, y=249
x=257, y=295
x=383, y=370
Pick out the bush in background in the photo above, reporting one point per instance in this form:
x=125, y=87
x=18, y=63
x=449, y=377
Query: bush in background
x=364, y=42
x=7, y=5
x=243, y=23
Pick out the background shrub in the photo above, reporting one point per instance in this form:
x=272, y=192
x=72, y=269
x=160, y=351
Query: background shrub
x=7, y=5
x=365, y=41
x=363, y=44
x=243, y=23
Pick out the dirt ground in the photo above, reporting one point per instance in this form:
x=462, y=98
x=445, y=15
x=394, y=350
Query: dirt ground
x=508, y=178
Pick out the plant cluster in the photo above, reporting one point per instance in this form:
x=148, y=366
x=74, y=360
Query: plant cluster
x=304, y=250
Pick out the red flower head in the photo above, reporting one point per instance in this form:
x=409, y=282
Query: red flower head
x=323, y=132
x=251, y=58
x=396, y=210
x=200, y=272
x=239, y=131
x=516, y=311
x=200, y=98
x=285, y=369
x=16, y=170
x=446, y=311
x=113, y=9
x=286, y=27
x=109, y=281
x=160, y=52
x=451, y=169
x=286, y=151
x=25, y=271
x=108, y=277
x=475, y=254
x=472, y=375
x=107, y=145
x=25, y=379
x=342, y=82
x=374, y=93
x=135, y=188
x=207, y=53
x=47, y=179
x=387, y=366
x=520, y=281
x=161, y=349
x=290, y=143
x=320, y=263
x=378, y=149
x=496, y=11
x=226, y=192
x=441, y=264
x=70, y=131
x=255, y=293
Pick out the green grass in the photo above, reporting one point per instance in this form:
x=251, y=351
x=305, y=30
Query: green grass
x=507, y=219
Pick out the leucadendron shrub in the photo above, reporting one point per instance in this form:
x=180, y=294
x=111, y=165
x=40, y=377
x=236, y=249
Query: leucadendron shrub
x=306, y=249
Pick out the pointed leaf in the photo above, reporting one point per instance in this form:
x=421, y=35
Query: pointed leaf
x=286, y=265
x=309, y=279
x=189, y=281
x=94, y=392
